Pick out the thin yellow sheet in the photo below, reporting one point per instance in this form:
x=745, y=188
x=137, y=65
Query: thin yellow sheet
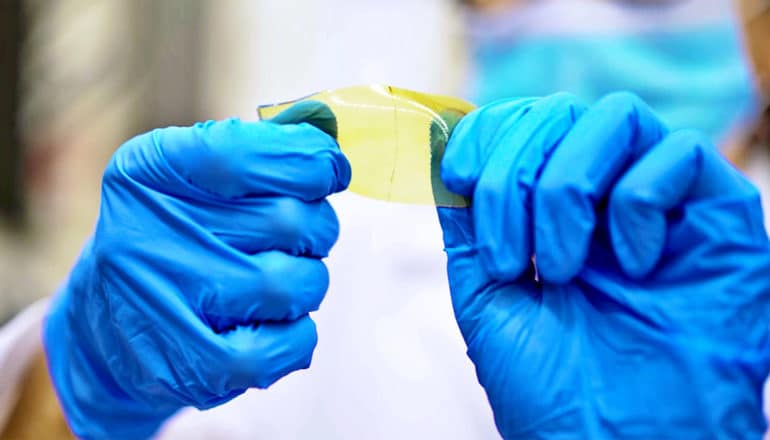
x=394, y=139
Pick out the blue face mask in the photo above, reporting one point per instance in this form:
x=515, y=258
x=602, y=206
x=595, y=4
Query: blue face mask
x=686, y=60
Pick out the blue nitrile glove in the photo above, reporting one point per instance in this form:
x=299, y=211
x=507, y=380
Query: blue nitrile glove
x=648, y=314
x=197, y=283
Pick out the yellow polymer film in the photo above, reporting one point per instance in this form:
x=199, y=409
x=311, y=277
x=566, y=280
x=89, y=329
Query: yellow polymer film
x=394, y=139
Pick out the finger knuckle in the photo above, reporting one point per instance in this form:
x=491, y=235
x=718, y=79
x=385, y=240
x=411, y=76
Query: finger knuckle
x=625, y=197
x=112, y=174
x=623, y=100
x=690, y=139
x=563, y=100
x=469, y=147
x=124, y=162
x=569, y=105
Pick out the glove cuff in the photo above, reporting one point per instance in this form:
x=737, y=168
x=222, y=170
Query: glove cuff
x=93, y=403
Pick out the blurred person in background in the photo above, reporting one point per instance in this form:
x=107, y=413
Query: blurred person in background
x=405, y=377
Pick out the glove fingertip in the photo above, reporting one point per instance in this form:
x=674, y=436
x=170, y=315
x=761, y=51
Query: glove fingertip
x=288, y=347
x=315, y=113
x=343, y=172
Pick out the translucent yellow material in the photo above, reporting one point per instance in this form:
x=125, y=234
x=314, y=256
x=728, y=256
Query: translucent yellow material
x=394, y=139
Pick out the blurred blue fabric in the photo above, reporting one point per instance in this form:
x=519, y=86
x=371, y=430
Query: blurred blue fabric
x=694, y=75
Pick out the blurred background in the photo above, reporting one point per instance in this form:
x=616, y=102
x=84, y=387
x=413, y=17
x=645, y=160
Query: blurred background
x=79, y=77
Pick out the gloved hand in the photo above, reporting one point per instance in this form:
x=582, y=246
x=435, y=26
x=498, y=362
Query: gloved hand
x=647, y=313
x=198, y=281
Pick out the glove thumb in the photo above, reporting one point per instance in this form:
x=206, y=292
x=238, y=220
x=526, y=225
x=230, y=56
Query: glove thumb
x=477, y=299
x=466, y=277
x=315, y=113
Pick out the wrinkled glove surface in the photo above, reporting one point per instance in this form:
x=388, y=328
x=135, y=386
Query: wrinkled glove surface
x=645, y=313
x=199, y=277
